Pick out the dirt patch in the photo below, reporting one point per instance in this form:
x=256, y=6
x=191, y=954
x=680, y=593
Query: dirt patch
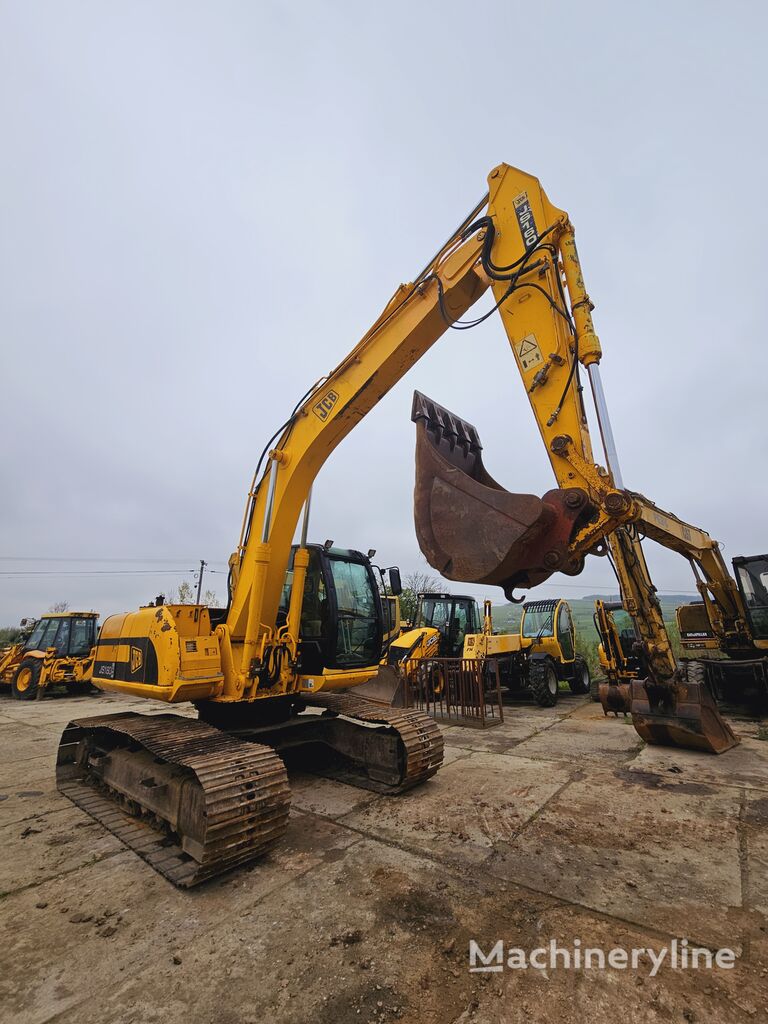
x=650, y=780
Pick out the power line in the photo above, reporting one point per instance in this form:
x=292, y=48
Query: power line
x=30, y=573
x=84, y=561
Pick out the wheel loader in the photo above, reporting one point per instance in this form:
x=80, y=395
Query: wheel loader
x=274, y=670
x=55, y=650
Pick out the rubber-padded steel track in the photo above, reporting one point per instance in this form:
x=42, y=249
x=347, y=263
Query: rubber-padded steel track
x=244, y=796
x=419, y=734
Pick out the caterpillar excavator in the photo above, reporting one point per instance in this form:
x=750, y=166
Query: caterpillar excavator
x=275, y=670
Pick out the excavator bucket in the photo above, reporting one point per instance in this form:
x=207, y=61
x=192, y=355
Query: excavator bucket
x=615, y=697
x=471, y=529
x=681, y=713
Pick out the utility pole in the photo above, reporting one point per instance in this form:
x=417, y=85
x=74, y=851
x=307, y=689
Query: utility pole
x=200, y=580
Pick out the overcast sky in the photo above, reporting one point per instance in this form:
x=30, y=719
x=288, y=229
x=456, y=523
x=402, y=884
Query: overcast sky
x=205, y=205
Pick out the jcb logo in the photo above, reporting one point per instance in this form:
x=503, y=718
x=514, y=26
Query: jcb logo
x=322, y=409
x=137, y=660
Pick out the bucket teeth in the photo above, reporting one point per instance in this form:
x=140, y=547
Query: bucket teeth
x=471, y=529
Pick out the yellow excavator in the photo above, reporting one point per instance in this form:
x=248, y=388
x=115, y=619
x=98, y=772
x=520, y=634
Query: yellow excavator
x=304, y=623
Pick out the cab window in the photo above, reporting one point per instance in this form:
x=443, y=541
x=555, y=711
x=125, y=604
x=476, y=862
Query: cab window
x=61, y=643
x=538, y=622
x=82, y=636
x=565, y=631
x=43, y=635
x=357, y=638
x=753, y=579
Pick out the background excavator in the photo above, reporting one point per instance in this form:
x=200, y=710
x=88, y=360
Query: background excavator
x=304, y=622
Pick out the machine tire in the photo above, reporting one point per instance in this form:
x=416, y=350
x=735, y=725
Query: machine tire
x=26, y=681
x=580, y=682
x=696, y=672
x=543, y=681
x=594, y=689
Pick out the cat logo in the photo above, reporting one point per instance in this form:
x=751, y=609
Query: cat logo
x=322, y=409
x=137, y=660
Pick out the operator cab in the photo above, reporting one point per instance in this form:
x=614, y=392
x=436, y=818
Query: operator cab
x=550, y=618
x=343, y=617
x=752, y=578
x=453, y=615
x=72, y=635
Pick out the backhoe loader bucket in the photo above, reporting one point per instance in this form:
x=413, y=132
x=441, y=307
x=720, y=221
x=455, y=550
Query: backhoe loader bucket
x=681, y=713
x=387, y=688
x=472, y=530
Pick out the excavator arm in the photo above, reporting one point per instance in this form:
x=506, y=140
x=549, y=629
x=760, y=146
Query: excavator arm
x=462, y=521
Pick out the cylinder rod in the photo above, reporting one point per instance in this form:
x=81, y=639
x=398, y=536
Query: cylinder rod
x=270, y=501
x=305, y=521
x=604, y=423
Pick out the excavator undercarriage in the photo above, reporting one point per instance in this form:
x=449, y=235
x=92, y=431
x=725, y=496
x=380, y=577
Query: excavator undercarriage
x=195, y=800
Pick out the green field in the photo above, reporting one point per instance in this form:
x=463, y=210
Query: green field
x=506, y=619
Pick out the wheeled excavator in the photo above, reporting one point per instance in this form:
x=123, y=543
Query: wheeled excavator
x=275, y=669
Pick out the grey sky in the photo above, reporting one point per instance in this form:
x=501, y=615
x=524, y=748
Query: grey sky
x=204, y=205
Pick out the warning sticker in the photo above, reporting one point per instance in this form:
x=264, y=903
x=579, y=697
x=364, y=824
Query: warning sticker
x=528, y=352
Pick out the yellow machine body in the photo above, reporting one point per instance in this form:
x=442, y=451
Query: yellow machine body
x=523, y=248
x=57, y=651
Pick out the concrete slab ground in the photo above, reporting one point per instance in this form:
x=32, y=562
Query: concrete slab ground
x=557, y=826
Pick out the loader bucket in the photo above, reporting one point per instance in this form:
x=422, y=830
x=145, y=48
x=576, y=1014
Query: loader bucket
x=681, y=713
x=471, y=529
x=387, y=688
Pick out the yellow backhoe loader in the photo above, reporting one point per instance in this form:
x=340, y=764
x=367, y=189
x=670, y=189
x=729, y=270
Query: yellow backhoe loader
x=56, y=651
x=268, y=672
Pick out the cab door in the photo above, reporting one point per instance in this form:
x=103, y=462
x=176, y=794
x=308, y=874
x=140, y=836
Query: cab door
x=565, y=635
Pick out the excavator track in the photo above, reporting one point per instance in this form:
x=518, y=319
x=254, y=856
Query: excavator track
x=191, y=800
x=377, y=747
x=420, y=736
